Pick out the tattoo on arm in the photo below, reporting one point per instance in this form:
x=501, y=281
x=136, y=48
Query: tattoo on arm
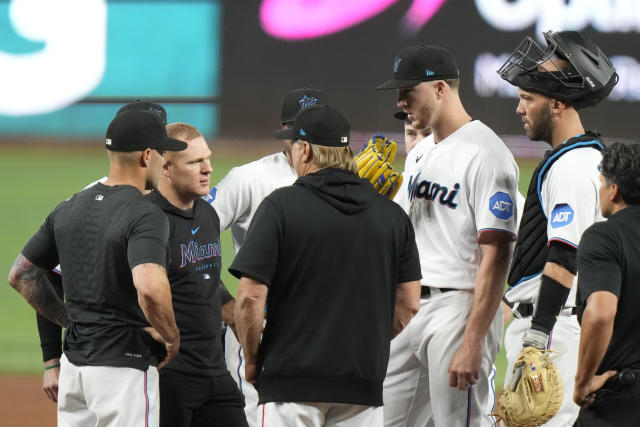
x=29, y=280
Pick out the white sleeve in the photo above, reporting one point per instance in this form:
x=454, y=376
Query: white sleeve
x=230, y=198
x=493, y=193
x=569, y=201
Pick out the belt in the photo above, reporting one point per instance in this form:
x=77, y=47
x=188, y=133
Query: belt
x=525, y=309
x=427, y=291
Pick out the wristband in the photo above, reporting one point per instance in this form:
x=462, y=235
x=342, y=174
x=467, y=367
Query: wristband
x=57, y=365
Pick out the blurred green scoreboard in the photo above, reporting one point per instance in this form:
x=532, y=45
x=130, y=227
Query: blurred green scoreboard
x=66, y=78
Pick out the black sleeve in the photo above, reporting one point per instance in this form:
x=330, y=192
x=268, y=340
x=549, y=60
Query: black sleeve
x=49, y=332
x=598, y=265
x=409, y=260
x=258, y=256
x=41, y=248
x=148, y=237
x=225, y=296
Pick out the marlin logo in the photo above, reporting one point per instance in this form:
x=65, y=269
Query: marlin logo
x=195, y=230
x=396, y=64
x=302, y=132
x=305, y=101
x=432, y=190
x=428, y=73
x=194, y=252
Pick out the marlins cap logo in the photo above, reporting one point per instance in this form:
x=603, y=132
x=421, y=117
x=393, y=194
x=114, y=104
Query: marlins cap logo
x=428, y=73
x=305, y=101
x=108, y=141
x=396, y=64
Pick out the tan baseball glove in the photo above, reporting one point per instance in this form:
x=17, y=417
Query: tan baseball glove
x=535, y=392
x=375, y=164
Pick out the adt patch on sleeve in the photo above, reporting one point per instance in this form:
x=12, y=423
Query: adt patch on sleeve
x=561, y=215
x=501, y=205
x=211, y=196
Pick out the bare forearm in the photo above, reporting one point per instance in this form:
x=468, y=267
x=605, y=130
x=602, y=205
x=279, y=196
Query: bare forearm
x=249, y=317
x=28, y=280
x=490, y=282
x=158, y=309
x=406, y=306
x=595, y=337
x=228, y=316
x=154, y=297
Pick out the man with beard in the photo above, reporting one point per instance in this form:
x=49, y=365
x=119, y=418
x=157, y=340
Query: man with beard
x=562, y=201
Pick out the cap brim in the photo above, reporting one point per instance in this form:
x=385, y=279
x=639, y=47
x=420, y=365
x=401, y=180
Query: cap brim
x=285, y=133
x=398, y=84
x=172, y=144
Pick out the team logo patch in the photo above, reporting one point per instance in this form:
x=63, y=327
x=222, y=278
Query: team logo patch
x=211, y=196
x=561, y=215
x=428, y=73
x=501, y=205
x=305, y=101
x=396, y=64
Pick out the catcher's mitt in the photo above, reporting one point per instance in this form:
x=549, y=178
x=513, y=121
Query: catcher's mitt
x=374, y=162
x=535, y=392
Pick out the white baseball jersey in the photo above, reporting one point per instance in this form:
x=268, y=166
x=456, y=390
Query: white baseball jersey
x=402, y=196
x=237, y=196
x=569, y=195
x=466, y=184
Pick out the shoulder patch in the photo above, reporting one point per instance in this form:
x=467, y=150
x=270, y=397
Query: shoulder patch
x=561, y=215
x=209, y=198
x=501, y=205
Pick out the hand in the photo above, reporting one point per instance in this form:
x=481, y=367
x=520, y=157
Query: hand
x=584, y=391
x=171, y=347
x=251, y=371
x=50, y=379
x=465, y=366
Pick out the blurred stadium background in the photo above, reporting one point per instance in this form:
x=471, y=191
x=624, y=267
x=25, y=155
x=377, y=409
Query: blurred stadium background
x=66, y=66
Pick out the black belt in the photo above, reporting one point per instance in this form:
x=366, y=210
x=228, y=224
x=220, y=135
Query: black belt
x=425, y=291
x=525, y=309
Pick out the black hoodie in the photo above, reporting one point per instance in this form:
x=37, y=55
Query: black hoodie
x=331, y=250
x=194, y=273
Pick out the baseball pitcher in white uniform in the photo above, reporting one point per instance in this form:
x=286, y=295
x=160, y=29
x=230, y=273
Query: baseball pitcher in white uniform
x=554, y=82
x=462, y=186
x=237, y=197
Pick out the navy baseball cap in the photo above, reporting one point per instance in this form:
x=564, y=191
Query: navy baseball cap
x=295, y=100
x=137, y=130
x=319, y=125
x=423, y=63
x=141, y=105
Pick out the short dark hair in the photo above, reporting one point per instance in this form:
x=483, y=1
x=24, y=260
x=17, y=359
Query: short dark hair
x=453, y=83
x=621, y=166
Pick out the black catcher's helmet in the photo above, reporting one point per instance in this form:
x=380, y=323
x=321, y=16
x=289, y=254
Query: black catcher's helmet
x=588, y=80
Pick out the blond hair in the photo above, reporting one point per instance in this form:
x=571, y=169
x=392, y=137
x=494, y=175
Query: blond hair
x=333, y=157
x=182, y=131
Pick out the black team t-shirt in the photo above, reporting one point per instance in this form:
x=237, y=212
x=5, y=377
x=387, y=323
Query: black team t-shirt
x=98, y=236
x=609, y=260
x=331, y=250
x=194, y=273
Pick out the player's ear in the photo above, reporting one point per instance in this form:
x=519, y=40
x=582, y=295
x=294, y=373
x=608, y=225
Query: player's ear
x=557, y=106
x=145, y=157
x=440, y=87
x=307, y=152
x=615, y=195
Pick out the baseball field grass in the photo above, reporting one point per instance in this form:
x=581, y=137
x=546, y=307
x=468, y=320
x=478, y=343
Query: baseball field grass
x=33, y=180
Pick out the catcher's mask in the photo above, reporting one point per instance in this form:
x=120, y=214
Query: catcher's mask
x=587, y=80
